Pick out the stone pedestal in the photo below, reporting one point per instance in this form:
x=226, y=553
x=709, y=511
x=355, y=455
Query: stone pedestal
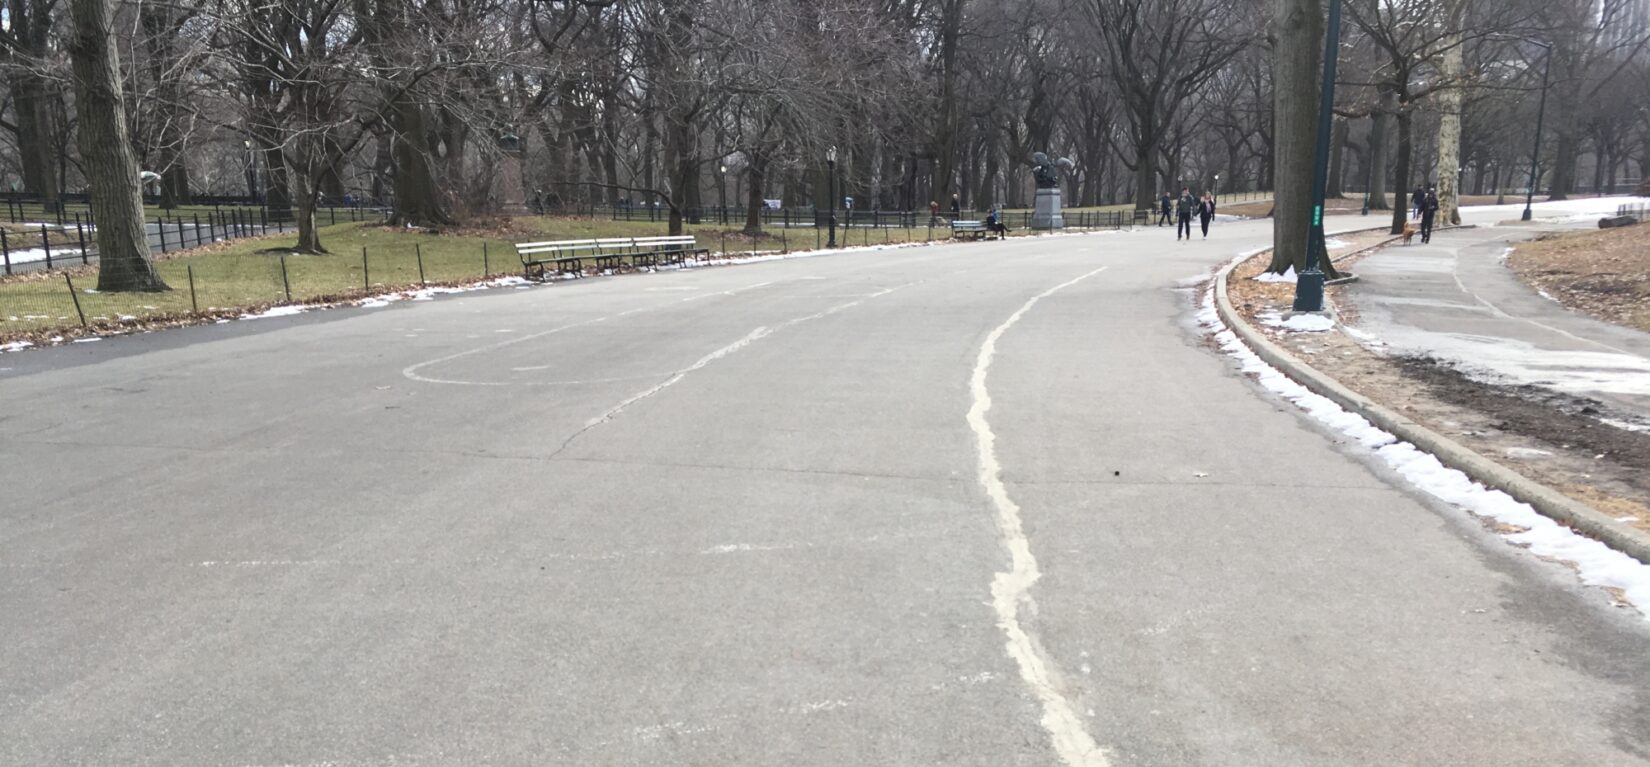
x=507, y=186
x=1047, y=213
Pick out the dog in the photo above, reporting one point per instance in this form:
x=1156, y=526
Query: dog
x=1409, y=233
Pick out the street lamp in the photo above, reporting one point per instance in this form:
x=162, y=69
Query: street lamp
x=722, y=192
x=830, y=162
x=1215, y=193
x=1309, y=284
x=1540, y=118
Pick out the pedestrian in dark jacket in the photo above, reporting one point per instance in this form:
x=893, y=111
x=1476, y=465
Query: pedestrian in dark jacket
x=1418, y=201
x=1429, y=212
x=956, y=207
x=1166, y=210
x=1206, y=212
x=1185, y=209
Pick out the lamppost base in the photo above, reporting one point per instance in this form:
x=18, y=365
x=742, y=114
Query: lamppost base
x=1528, y=216
x=1309, y=291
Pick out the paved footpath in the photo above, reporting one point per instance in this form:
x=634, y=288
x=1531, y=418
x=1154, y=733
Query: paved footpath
x=987, y=504
x=1455, y=299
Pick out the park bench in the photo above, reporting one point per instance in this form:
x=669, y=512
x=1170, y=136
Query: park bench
x=569, y=257
x=973, y=230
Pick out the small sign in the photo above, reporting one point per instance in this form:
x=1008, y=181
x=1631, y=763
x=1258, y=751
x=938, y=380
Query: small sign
x=848, y=202
x=1317, y=216
x=772, y=204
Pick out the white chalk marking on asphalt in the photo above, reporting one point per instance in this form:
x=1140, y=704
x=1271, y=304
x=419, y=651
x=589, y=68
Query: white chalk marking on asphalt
x=1008, y=589
x=411, y=371
x=750, y=338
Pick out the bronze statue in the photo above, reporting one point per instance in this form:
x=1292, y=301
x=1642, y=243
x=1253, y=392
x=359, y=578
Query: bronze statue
x=1047, y=172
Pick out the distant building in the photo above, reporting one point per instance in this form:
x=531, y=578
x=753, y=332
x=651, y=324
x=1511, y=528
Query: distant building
x=1629, y=22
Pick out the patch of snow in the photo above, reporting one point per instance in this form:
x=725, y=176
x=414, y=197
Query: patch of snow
x=14, y=346
x=1300, y=323
x=1546, y=295
x=1595, y=563
x=39, y=254
x=276, y=311
x=1336, y=243
x=1365, y=338
x=1288, y=276
x=1626, y=425
x=1526, y=452
x=86, y=340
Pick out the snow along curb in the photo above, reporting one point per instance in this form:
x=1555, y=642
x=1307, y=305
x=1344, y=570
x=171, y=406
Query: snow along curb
x=1547, y=501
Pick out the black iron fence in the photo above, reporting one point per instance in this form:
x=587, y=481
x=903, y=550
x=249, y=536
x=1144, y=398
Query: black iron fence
x=1637, y=210
x=28, y=243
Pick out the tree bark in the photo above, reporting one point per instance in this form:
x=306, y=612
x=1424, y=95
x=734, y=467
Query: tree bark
x=1297, y=72
x=753, y=194
x=417, y=201
x=1452, y=66
x=106, y=152
x=945, y=133
x=30, y=22
x=1379, y=155
x=1337, y=161
x=1400, y=178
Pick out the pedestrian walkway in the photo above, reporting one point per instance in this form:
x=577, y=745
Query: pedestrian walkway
x=1456, y=300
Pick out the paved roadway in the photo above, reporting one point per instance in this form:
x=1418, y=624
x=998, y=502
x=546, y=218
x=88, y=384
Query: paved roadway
x=784, y=513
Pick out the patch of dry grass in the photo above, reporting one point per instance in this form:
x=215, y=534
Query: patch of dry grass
x=1605, y=273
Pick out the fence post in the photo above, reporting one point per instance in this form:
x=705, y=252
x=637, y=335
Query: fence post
x=211, y=231
x=160, y=229
x=485, y=267
x=784, y=243
x=197, y=230
x=286, y=285
x=724, y=243
x=418, y=250
x=46, y=242
x=76, y=297
x=183, y=241
x=263, y=215
x=366, y=278
x=80, y=232
x=5, y=247
x=333, y=212
x=193, y=304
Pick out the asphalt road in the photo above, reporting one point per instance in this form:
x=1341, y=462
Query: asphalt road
x=936, y=506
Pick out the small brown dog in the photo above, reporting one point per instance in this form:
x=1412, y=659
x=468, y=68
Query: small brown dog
x=1409, y=233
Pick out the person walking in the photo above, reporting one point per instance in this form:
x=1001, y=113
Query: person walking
x=1184, y=210
x=1429, y=213
x=934, y=214
x=1165, y=209
x=956, y=207
x=1417, y=201
x=1206, y=212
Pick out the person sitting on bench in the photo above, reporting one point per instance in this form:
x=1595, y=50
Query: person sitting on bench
x=994, y=222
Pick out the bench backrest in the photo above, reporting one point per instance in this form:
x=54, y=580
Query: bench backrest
x=967, y=224
x=608, y=243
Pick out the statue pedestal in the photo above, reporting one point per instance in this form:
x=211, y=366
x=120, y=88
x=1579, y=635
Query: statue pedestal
x=1047, y=213
x=507, y=186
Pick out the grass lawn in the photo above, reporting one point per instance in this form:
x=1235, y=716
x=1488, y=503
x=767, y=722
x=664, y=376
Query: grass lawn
x=230, y=277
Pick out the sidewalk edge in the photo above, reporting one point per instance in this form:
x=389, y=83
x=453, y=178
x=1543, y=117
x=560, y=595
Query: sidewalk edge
x=1543, y=499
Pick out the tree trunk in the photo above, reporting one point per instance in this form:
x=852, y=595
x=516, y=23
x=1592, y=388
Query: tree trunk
x=753, y=195
x=106, y=152
x=1452, y=67
x=417, y=201
x=305, y=192
x=1565, y=160
x=1379, y=155
x=32, y=97
x=945, y=133
x=1400, y=178
x=1145, y=175
x=1297, y=72
x=1337, y=160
